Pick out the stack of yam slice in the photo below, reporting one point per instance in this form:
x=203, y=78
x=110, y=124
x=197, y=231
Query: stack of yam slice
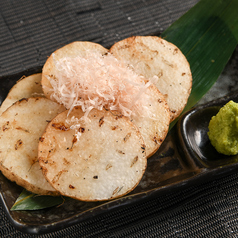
x=87, y=124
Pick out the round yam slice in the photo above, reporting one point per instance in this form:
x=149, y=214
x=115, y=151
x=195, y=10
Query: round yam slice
x=152, y=56
x=21, y=126
x=74, y=49
x=154, y=120
x=24, y=88
x=93, y=158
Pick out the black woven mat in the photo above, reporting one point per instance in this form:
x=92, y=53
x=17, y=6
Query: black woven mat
x=32, y=29
x=207, y=210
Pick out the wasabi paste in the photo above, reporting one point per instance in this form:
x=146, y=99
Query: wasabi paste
x=223, y=129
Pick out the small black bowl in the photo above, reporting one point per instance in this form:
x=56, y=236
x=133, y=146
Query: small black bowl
x=192, y=131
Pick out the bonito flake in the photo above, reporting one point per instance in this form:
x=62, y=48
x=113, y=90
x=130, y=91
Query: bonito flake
x=97, y=81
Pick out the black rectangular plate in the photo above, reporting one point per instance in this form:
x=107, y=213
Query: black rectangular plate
x=173, y=166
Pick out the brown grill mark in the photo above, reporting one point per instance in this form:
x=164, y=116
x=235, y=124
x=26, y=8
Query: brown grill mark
x=71, y=186
x=57, y=176
x=167, y=62
x=5, y=127
x=101, y=121
x=18, y=144
x=115, y=191
x=175, y=51
x=119, y=116
x=81, y=129
x=23, y=99
x=124, y=47
x=127, y=137
x=46, y=161
x=95, y=177
x=134, y=161
x=114, y=128
x=51, y=152
x=160, y=74
x=157, y=140
x=183, y=74
x=60, y=126
x=41, y=139
x=120, y=152
x=22, y=129
x=144, y=48
x=173, y=111
x=147, y=65
x=66, y=161
x=108, y=166
x=74, y=140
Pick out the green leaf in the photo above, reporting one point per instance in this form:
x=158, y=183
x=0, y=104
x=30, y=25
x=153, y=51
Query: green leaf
x=207, y=35
x=30, y=201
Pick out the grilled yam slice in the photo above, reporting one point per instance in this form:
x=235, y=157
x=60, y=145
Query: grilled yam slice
x=153, y=121
x=74, y=49
x=153, y=56
x=24, y=88
x=21, y=127
x=98, y=158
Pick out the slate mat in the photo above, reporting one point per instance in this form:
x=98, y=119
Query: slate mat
x=31, y=29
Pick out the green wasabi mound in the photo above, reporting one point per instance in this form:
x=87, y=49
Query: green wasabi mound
x=223, y=129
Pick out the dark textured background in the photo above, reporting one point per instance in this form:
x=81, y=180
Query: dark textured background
x=31, y=29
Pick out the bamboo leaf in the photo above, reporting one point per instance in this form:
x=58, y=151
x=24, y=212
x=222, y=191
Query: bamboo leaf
x=30, y=201
x=207, y=35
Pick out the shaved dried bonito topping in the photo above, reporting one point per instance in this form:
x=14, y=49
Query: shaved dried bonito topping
x=97, y=81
